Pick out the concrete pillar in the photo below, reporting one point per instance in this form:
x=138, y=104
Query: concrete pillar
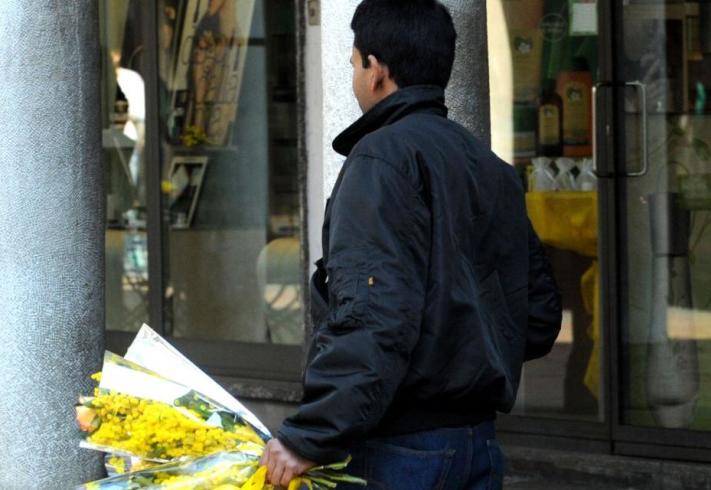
x=51, y=238
x=340, y=107
x=468, y=91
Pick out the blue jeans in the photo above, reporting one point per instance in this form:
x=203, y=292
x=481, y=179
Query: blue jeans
x=467, y=458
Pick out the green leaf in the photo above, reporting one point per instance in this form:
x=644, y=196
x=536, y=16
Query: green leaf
x=334, y=466
x=228, y=421
x=193, y=401
x=336, y=477
x=321, y=481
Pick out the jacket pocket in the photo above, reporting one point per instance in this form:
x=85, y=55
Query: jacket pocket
x=348, y=296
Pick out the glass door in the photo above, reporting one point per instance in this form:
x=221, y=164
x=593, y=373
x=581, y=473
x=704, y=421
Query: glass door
x=543, y=59
x=662, y=169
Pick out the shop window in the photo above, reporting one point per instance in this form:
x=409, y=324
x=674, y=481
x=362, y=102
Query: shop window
x=227, y=177
x=543, y=61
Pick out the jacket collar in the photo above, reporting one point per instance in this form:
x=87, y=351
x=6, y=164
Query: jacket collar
x=417, y=98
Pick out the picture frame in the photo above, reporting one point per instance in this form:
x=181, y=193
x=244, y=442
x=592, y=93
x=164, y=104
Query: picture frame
x=211, y=42
x=187, y=174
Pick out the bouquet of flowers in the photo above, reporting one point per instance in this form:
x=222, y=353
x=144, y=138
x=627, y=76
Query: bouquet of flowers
x=191, y=434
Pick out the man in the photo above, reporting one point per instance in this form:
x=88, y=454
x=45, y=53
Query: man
x=433, y=288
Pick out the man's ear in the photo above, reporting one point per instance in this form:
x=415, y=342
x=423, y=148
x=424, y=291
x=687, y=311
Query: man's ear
x=379, y=73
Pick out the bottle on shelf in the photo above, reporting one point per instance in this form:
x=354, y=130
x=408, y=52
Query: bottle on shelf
x=575, y=88
x=542, y=178
x=587, y=180
x=524, y=132
x=550, y=121
x=564, y=180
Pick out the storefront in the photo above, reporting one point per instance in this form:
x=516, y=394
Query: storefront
x=211, y=143
x=204, y=181
x=602, y=106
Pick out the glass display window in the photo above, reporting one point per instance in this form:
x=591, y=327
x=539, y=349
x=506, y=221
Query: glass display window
x=205, y=202
x=602, y=106
x=543, y=57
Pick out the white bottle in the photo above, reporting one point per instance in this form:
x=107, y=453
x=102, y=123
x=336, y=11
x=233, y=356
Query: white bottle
x=587, y=180
x=541, y=179
x=565, y=180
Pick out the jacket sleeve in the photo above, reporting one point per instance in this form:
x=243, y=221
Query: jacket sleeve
x=377, y=266
x=544, y=301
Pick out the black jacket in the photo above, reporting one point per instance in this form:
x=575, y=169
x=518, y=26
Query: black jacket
x=437, y=287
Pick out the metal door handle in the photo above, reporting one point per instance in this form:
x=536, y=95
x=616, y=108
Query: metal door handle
x=642, y=91
x=643, y=103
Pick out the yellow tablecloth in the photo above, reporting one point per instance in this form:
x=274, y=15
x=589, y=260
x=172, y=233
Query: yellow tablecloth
x=565, y=220
x=568, y=221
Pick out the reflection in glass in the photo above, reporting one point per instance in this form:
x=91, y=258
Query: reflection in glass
x=230, y=170
x=183, y=188
x=543, y=59
x=123, y=114
x=666, y=378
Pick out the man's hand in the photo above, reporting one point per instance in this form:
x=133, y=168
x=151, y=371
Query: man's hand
x=282, y=464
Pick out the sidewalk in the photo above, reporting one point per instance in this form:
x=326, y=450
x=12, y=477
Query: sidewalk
x=520, y=483
x=546, y=469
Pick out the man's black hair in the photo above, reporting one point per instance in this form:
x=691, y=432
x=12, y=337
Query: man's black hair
x=414, y=38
